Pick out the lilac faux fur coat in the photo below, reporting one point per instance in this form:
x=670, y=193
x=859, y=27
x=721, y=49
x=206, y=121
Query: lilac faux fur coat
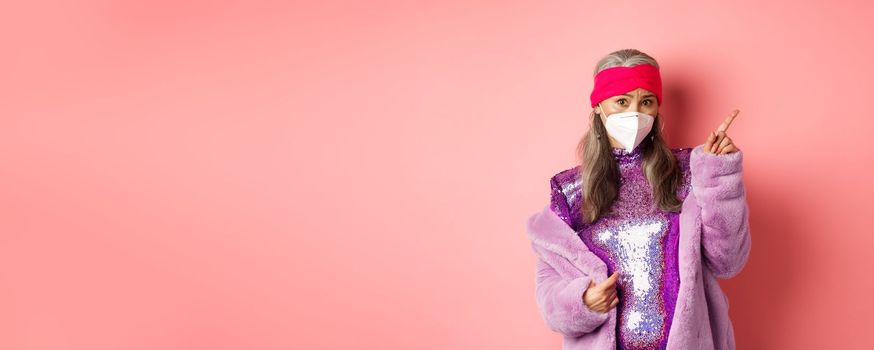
x=714, y=243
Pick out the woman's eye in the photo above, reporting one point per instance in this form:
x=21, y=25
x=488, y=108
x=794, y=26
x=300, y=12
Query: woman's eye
x=647, y=102
x=621, y=101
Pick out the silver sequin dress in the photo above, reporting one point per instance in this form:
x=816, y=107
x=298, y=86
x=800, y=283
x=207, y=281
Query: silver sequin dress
x=637, y=239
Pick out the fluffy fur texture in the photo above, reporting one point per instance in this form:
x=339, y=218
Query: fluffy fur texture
x=714, y=243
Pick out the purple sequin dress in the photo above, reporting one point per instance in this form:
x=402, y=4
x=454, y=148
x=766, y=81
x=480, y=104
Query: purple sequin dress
x=637, y=239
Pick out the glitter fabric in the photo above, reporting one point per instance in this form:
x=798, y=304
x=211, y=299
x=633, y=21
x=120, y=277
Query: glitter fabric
x=637, y=239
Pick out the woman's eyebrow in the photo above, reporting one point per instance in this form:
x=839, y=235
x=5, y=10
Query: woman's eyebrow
x=644, y=96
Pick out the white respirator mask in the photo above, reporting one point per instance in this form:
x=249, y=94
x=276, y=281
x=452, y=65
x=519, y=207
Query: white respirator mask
x=628, y=128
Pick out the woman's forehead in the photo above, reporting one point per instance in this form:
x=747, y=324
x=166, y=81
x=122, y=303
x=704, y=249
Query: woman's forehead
x=639, y=92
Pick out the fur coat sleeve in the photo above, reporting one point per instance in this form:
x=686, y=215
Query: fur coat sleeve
x=719, y=189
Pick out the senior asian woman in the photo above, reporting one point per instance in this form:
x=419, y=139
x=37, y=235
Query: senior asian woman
x=634, y=237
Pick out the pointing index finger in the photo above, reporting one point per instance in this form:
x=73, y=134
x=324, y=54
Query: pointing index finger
x=724, y=126
x=610, y=281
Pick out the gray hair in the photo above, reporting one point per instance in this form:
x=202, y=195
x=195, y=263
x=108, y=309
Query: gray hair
x=624, y=58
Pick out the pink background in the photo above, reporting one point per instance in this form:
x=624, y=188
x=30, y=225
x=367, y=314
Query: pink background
x=357, y=175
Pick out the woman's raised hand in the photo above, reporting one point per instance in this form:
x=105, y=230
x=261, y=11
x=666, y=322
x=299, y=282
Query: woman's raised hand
x=602, y=297
x=718, y=142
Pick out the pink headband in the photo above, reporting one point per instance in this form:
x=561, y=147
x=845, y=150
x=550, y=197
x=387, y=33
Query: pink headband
x=619, y=80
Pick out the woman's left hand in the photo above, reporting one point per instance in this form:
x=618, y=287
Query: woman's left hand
x=718, y=141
